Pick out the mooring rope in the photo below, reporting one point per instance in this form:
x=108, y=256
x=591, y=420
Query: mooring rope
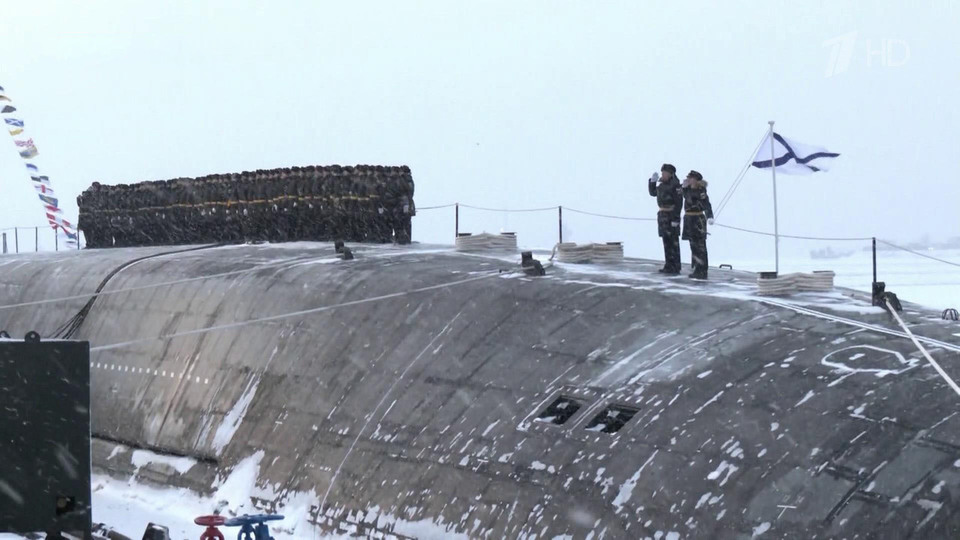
x=929, y=358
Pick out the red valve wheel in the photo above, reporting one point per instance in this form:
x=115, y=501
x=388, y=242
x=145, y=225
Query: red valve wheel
x=210, y=521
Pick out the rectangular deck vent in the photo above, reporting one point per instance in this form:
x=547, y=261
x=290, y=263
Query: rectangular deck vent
x=558, y=412
x=611, y=419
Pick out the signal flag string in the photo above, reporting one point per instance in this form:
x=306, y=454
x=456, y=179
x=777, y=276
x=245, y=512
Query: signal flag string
x=27, y=150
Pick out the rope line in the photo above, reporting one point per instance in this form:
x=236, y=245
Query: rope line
x=857, y=324
x=436, y=207
x=795, y=237
x=544, y=209
x=238, y=324
x=278, y=264
x=929, y=358
x=736, y=184
x=917, y=253
x=607, y=215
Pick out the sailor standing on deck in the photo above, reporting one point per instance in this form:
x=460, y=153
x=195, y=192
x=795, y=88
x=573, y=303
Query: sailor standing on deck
x=697, y=214
x=669, y=196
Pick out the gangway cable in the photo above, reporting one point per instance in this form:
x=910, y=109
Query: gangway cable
x=69, y=328
x=277, y=264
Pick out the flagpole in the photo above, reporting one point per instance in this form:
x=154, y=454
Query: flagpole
x=776, y=229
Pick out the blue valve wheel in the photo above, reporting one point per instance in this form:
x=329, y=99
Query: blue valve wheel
x=247, y=522
x=255, y=519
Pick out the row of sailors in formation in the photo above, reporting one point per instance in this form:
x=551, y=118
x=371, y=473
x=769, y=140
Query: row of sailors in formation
x=373, y=204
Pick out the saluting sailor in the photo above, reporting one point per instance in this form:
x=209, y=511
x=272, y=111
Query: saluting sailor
x=697, y=214
x=669, y=196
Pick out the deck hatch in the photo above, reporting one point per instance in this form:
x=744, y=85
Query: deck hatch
x=611, y=419
x=562, y=409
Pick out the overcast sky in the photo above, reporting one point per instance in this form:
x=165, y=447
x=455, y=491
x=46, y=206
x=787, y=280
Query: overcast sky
x=504, y=104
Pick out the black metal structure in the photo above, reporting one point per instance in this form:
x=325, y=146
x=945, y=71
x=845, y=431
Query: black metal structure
x=45, y=437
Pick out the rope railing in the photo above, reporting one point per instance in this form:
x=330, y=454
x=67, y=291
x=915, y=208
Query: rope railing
x=508, y=210
x=24, y=227
x=16, y=239
x=917, y=253
x=721, y=225
x=607, y=215
x=633, y=218
x=796, y=237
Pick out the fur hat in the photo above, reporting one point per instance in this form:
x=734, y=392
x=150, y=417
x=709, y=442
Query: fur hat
x=668, y=167
x=695, y=174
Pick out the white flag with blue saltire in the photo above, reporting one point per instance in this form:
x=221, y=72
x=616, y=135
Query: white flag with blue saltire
x=792, y=157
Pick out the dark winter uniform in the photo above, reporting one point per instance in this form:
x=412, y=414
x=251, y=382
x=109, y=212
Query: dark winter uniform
x=354, y=204
x=670, y=201
x=697, y=210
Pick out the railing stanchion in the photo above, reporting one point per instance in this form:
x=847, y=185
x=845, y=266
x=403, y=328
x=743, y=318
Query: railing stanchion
x=560, y=219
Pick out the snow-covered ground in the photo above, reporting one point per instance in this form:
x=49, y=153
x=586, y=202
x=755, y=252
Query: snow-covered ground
x=911, y=277
x=128, y=506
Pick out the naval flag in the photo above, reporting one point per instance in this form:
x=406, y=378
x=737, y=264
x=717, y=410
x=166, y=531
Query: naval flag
x=792, y=157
